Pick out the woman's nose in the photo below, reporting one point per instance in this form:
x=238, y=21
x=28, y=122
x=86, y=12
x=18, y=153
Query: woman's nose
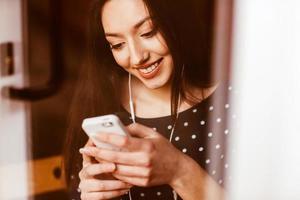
x=138, y=54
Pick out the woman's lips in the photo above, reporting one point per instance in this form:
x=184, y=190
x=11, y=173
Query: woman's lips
x=150, y=71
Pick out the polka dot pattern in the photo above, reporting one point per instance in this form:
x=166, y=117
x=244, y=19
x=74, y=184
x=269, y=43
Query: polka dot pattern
x=201, y=132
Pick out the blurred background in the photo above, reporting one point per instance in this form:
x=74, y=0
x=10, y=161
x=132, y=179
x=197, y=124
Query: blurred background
x=42, y=49
x=43, y=46
x=256, y=42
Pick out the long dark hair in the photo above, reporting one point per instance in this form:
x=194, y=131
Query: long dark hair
x=185, y=27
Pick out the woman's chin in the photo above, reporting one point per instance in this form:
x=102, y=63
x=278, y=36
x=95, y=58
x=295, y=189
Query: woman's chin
x=155, y=84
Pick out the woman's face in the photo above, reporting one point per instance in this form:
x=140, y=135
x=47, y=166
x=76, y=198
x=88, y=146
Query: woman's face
x=136, y=44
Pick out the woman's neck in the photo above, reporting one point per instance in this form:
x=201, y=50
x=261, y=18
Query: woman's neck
x=150, y=103
x=147, y=102
x=145, y=94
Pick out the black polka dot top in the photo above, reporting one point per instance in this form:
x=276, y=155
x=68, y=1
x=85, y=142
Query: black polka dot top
x=201, y=132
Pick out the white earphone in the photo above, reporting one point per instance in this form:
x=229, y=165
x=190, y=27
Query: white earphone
x=130, y=99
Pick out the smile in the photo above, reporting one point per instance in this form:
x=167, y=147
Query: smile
x=150, y=71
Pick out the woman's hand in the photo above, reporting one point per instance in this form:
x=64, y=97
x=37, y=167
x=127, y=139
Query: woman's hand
x=93, y=188
x=147, y=159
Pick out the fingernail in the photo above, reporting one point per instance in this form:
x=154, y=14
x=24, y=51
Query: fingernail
x=83, y=150
x=111, y=166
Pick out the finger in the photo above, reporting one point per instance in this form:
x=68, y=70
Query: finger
x=133, y=171
x=124, y=142
x=138, y=181
x=120, y=157
x=85, y=158
x=96, y=169
x=89, y=143
x=101, y=160
x=141, y=131
x=102, y=195
x=95, y=185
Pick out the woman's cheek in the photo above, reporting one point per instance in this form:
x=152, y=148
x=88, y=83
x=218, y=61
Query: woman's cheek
x=157, y=45
x=121, y=59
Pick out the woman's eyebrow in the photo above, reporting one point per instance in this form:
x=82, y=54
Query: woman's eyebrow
x=141, y=22
x=136, y=26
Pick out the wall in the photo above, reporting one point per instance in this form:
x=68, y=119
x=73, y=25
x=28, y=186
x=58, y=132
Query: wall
x=13, y=115
x=266, y=67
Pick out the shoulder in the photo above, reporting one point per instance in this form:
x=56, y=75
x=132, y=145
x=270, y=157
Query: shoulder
x=198, y=94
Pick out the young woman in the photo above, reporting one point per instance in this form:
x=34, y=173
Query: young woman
x=160, y=49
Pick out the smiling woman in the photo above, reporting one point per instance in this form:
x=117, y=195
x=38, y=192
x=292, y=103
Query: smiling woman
x=136, y=44
x=160, y=49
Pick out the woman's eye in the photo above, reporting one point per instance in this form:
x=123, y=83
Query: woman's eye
x=149, y=34
x=116, y=46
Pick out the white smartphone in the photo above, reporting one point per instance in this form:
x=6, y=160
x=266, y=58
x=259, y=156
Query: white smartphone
x=103, y=124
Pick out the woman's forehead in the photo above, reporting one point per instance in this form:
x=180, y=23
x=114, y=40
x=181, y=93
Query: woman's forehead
x=120, y=15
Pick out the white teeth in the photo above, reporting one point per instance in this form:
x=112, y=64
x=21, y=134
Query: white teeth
x=149, y=69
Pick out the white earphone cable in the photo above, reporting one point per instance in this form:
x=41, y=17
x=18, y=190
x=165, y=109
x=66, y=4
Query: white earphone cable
x=131, y=106
x=130, y=100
